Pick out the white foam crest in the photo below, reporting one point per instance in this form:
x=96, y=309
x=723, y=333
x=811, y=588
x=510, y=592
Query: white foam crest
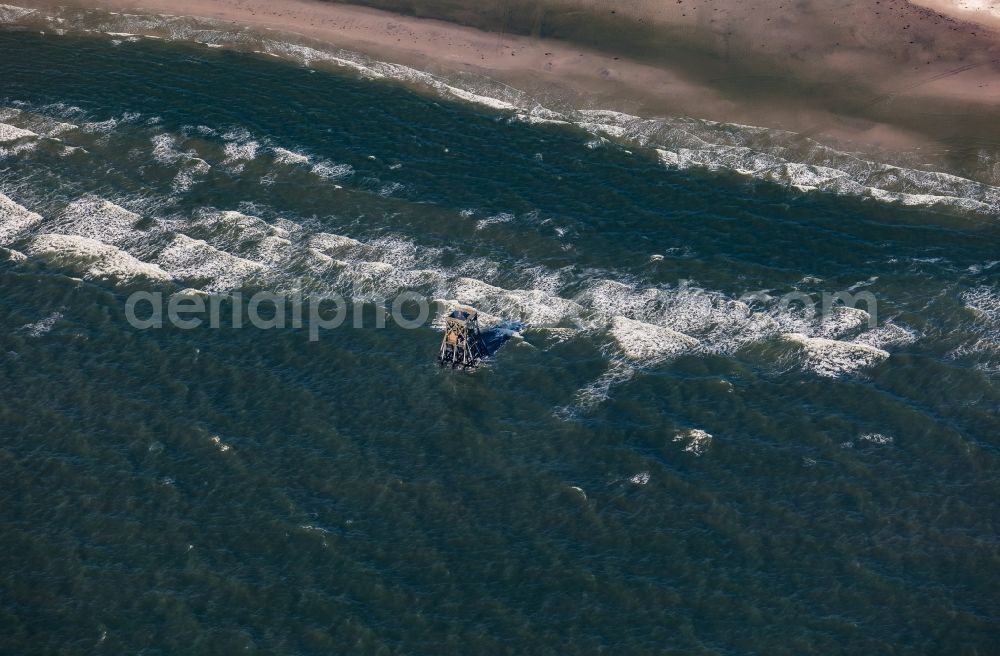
x=307, y=56
x=611, y=297
x=597, y=392
x=188, y=176
x=532, y=306
x=399, y=251
x=129, y=25
x=231, y=230
x=782, y=157
x=11, y=255
x=12, y=133
x=18, y=148
x=876, y=438
x=389, y=189
x=601, y=121
x=374, y=69
x=196, y=260
x=236, y=151
x=720, y=324
x=545, y=279
x=837, y=325
x=243, y=236
x=647, y=343
x=331, y=171
x=668, y=158
x=737, y=329
x=539, y=118
x=983, y=346
x=863, y=283
x=92, y=259
x=888, y=334
x=310, y=261
x=640, y=478
x=109, y=125
x=696, y=440
x=332, y=245
x=489, y=94
x=288, y=228
x=285, y=156
x=222, y=446
x=21, y=122
x=985, y=266
x=383, y=266
x=62, y=110
x=842, y=320
x=166, y=151
x=272, y=251
x=833, y=359
x=929, y=200
x=42, y=326
x=54, y=128
x=502, y=217
x=481, y=268
x=367, y=279
x=100, y=219
x=13, y=13
x=983, y=300
x=468, y=96
x=15, y=220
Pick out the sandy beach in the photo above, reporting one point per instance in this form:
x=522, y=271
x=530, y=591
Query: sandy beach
x=885, y=79
x=981, y=12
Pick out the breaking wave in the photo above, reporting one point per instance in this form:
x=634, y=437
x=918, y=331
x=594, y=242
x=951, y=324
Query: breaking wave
x=217, y=251
x=833, y=358
x=15, y=220
x=92, y=259
x=42, y=326
x=224, y=250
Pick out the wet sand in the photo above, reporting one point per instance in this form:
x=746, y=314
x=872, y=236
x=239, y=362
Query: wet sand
x=889, y=79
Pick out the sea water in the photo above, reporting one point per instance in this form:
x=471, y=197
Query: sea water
x=667, y=456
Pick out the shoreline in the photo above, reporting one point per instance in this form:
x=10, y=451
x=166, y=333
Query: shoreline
x=985, y=13
x=932, y=118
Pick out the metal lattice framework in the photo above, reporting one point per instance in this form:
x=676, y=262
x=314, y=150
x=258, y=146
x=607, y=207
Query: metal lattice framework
x=462, y=344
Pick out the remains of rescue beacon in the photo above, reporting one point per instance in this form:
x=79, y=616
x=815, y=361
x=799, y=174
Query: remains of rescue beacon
x=462, y=344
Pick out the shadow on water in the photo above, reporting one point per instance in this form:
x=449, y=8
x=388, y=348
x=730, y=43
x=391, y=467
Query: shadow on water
x=495, y=337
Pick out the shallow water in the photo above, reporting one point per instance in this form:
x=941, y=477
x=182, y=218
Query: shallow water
x=652, y=465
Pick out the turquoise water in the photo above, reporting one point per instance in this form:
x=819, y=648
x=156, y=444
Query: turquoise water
x=652, y=466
